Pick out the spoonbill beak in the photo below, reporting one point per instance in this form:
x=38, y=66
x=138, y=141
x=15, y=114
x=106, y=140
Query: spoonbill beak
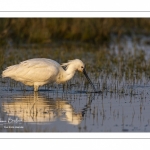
x=84, y=72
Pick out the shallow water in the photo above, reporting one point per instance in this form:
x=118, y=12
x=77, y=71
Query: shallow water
x=122, y=106
x=73, y=109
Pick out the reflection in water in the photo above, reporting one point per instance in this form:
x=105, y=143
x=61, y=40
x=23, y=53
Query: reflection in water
x=37, y=108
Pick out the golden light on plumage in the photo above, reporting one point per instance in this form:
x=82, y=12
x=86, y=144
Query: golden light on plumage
x=39, y=71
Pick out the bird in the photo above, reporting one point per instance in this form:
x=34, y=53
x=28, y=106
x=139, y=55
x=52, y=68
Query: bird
x=39, y=71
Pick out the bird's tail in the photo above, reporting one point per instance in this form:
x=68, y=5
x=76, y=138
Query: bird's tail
x=8, y=72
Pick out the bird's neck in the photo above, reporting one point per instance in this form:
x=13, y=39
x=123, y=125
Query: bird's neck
x=67, y=74
x=70, y=72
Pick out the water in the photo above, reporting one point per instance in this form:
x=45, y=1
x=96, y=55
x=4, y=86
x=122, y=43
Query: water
x=74, y=110
x=122, y=106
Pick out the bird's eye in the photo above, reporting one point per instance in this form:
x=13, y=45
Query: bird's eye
x=81, y=66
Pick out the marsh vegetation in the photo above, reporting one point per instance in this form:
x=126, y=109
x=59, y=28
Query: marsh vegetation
x=120, y=69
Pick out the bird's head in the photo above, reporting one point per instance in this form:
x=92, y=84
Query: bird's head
x=78, y=65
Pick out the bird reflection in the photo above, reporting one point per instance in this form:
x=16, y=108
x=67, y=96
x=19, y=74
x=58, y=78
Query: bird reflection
x=38, y=108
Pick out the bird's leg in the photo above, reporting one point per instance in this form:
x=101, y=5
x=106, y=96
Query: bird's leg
x=36, y=88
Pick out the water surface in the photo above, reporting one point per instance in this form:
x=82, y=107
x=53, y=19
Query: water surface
x=122, y=106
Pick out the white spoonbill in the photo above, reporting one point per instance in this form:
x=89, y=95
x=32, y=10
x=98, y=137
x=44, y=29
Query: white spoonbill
x=39, y=71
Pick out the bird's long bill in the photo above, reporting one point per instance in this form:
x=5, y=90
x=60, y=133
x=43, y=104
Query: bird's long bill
x=84, y=72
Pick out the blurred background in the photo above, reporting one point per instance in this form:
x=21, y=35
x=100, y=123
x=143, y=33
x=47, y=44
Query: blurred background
x=93, y=30
x=121, y=43
x=116, y=52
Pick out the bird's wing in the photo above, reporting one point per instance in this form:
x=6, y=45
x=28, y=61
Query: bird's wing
x=37, y=70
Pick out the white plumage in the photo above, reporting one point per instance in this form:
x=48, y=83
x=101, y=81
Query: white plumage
x=39, y=71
